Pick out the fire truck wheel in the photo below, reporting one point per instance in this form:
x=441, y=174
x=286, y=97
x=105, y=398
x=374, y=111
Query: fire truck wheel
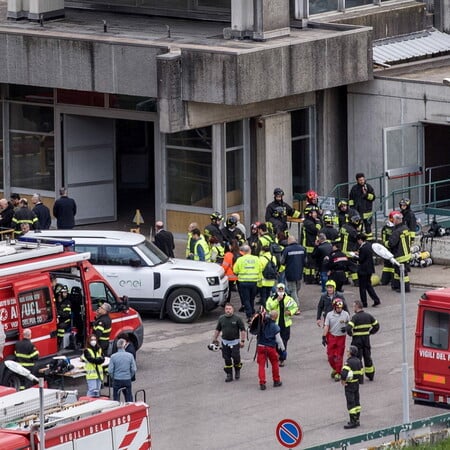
x=11, y=379
x=184, y=305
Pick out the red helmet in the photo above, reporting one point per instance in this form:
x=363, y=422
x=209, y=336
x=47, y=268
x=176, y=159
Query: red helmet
x=311, y=195
x=392, y=214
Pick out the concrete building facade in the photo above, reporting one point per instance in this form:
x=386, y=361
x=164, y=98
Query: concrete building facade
x=191, y=107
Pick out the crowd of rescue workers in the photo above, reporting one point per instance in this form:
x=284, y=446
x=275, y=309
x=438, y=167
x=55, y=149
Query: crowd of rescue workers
x=269, y=265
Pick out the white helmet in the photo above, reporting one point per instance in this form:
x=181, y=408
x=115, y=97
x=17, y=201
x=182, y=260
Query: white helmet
x=214, y=346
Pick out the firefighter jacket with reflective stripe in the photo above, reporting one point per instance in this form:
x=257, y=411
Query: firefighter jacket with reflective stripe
x=248, y=268
x=94, y=359
x=310, y=229
x=26, y=353
x=361, y=201
x=264, y=259
x=206, y=250
x=362, y=325
x=348, y=235
x=409, y=219
x=289, y=303
x=386, y=233
x=399, y=243
x=24, y=215
x=102, y=329
x=353, y=364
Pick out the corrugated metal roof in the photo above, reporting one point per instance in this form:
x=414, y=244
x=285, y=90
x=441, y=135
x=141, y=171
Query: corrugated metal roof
x=411, y=47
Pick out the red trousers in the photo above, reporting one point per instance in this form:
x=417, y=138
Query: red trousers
x=262, y=355
x=335, y=351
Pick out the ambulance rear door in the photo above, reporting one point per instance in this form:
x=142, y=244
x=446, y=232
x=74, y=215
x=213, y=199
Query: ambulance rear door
x=36, y=310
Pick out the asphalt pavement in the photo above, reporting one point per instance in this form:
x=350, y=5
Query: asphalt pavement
x=193, y=408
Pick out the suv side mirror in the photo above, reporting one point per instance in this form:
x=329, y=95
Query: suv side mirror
x=135, y=262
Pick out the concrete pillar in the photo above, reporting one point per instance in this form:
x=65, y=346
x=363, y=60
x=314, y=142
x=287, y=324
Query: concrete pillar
x=17, y=9
x=442, y=15
x=45, y=9
x=274, y=159
x=170, y=103
x=271, y=19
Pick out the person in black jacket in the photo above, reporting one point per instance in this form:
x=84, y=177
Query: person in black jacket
x=365, y=270
x=321, y=255
x=164, y=239
x=42, y=212
x=65, y=210
x=361, y=326
x=102, y=326
x=24, y=215
x=26, y=354
x=361, y=198
x=6, y=213
x=278, y=210
x=351, y=376
x=338, y=266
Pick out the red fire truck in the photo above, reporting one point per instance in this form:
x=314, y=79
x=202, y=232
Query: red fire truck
x=27, y=301
x=71, y=423
x=432, y=350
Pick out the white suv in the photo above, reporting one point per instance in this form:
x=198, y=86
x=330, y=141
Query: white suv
x=153, y=282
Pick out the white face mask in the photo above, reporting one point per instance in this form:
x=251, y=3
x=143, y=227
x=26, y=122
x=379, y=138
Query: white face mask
x=93, y=343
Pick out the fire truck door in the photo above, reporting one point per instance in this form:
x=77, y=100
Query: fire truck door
x=434, y=354
x=36, y=310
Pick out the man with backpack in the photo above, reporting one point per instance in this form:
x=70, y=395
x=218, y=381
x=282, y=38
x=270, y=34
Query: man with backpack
x=269, y=266
x=286, y=307
x=268, y=339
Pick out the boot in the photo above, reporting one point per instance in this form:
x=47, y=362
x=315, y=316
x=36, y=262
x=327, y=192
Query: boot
x=237, y=373
x=229, y=378
x=357, y=419
x=353, y=423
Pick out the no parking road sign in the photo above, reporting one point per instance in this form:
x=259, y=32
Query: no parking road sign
x=289, y=433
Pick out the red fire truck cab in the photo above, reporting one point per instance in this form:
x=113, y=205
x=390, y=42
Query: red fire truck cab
x=27, y=301
x=432, y=349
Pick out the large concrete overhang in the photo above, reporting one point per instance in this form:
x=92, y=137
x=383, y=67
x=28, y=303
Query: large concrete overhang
x=136, y=56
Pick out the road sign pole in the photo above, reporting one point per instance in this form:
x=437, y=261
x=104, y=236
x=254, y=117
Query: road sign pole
x=405, y=382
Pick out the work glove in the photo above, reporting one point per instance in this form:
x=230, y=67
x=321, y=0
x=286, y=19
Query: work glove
x=283, y=355
x=343, y=329
x=324, y=341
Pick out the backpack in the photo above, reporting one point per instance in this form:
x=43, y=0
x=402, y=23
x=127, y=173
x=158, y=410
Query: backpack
x=270, y=271
x=257, y=323
x=276, y=250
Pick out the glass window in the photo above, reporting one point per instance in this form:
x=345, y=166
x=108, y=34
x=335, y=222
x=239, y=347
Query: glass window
x=235, y=163
x=225, y=4
x=320, y=6
x=353, y=3
x=35, y=307
x=31, y=118
x=93, y=249
x=32, y=161
x=302, y=151
x=120, y=256
x=189, y=169
x=133, y=103
x=198, y=138
x=100, y=293
x=30, y=93
x=435, y=330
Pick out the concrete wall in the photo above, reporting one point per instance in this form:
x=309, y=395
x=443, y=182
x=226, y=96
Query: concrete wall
x=384, y=103
x=277, y=71
x=81, y=64
x=386, y=21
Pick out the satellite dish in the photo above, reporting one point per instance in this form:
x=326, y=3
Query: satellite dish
x=15, y=367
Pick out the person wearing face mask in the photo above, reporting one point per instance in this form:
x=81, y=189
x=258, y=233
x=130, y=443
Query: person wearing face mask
x=93, y=358
x=286, y=307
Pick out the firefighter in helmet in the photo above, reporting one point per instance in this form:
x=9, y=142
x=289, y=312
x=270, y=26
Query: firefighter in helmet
x=64, y=311
x=310, y=230
x=387, y=274
x=278, y=211
x=409, y=218
x=213, y=229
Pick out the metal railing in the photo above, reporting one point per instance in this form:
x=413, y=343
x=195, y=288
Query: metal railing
x=442, y=419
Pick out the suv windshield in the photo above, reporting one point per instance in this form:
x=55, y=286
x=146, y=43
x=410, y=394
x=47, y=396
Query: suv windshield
x=152, y=252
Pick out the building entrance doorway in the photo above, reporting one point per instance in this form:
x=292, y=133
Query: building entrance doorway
x=135, y=150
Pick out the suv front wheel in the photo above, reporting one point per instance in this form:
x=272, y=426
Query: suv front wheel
x=184, y=305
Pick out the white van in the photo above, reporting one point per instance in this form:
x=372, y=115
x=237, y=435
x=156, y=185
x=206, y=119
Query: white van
x=152, y=281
